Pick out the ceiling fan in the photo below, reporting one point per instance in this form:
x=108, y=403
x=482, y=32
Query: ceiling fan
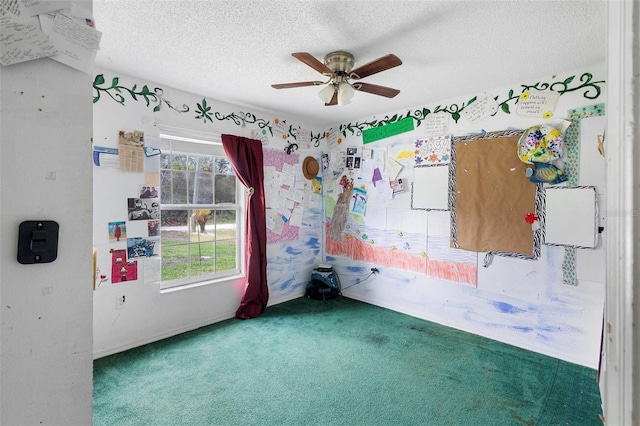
x=338, y=67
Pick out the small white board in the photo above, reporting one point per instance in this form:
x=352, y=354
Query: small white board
x=430, y=189
x=571, y=216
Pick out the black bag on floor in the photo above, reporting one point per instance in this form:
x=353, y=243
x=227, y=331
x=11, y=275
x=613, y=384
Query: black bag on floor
x=324, y=284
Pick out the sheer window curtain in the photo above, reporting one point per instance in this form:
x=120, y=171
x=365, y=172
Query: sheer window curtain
x=246, y=158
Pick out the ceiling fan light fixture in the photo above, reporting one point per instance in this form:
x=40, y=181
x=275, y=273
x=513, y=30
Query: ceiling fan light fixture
x=338, y=67
x=339, y=62
x=327, y=93
x=345, y=93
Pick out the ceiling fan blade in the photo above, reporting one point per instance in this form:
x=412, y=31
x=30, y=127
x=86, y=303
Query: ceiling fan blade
x=379, y=65
x=311, y=61
x=334, y=100
x=299, y=84
x=376, y=90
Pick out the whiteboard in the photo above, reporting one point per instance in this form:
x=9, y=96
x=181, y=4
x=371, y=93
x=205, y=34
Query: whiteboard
x=430, y=189
x=571, y=216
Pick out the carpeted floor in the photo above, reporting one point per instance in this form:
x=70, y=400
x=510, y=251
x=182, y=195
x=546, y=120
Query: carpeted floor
x=339, y=362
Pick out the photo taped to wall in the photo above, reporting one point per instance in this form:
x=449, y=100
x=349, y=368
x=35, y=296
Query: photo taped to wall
x=143, y=209
x=148, y=192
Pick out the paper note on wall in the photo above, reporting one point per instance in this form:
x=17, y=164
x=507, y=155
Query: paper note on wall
x=22, y=41
x=77, y=42
x=437, y=124
x=303, y=138
x=130, y=151
x=105, y=156
x=480, y=109
x=12, y=8
x=393, y=168
x=261, y=135
x=537, y=104
x=433, y=150
x=37, y=7
x=296, y=216
x=402, y=153
x=333, y=138
x=279, y=128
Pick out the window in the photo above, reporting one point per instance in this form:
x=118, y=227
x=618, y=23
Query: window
x=201, y=212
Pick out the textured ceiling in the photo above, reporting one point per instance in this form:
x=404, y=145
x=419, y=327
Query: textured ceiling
x=233, y=51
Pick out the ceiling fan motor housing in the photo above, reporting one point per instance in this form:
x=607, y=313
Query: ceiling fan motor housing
x=338, y=67
x=339, y=62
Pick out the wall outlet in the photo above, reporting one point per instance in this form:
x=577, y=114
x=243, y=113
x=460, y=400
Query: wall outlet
x=121, y=301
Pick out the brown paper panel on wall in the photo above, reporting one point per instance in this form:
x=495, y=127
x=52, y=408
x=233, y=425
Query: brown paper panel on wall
x=492, y=197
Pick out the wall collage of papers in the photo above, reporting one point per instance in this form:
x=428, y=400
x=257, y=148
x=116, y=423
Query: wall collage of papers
x=491, y=201
x=135, y=153
x=290, y=188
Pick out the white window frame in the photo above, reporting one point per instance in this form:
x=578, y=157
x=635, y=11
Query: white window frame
x=189, y=142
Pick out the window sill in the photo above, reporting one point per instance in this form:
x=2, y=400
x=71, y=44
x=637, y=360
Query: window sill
x=201, y=283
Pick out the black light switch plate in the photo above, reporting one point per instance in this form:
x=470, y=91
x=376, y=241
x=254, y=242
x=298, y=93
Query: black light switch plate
x=38, y=241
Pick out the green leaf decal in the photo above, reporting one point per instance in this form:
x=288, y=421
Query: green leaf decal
x=589, y=88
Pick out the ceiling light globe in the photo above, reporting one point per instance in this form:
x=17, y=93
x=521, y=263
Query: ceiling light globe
x=345, y=93
x=327, y=93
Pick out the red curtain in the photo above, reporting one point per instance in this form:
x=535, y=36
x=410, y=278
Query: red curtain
x=246, y=158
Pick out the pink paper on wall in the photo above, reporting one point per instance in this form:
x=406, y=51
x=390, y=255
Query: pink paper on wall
x=121, y=269
x=276, y=158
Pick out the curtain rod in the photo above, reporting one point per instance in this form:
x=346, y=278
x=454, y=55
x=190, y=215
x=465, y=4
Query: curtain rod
x=188, y=134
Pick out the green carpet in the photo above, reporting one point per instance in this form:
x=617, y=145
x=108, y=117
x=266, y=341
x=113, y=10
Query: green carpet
x=339, y=362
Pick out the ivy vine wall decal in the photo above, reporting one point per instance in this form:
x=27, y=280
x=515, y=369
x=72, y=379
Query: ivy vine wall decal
x=203, y=110
x=591, y=88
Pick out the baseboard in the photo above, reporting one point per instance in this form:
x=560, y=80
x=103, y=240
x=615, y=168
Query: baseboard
x=566, y=358
x=165, y=335
x=180, y=330
x=284, y=299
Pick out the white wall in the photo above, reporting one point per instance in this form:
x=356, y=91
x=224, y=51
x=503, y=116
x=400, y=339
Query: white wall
x=520, y=302
x=149, y=313
x=46, y=310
